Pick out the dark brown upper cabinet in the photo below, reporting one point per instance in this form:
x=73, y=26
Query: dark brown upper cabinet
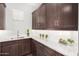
x=2, y=16
x=39, y=18
x=62, y=16
x=56, y=16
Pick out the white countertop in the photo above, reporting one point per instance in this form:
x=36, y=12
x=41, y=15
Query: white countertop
x=13, y=38
x=65, y=50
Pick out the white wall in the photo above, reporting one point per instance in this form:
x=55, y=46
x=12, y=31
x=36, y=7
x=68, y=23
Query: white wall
x=24, y=24
x=12, y=25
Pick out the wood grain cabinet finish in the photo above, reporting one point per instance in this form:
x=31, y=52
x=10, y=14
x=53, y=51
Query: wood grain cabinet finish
x=57, y=16
x=2, y=16
x=10, y=50
x=69, y=16
x=24, y=47
x=62, y=16
x=42, y=50
x=39, y=18
x=16, y=48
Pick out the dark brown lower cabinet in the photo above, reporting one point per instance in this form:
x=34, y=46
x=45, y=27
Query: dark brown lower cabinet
x=26, y=47
x=16, y=48
x=10, y=50
x=42, y=50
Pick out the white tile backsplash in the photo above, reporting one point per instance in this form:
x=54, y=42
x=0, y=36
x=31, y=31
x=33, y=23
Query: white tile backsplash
x=56, y=35
x=6, y=35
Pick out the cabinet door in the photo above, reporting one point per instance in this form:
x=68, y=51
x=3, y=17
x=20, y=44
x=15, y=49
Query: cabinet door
x=2, y=16
x=16, y=48
x=39, y=49
x=62, y=16
x=39, y=18
x=42, y=50
x=13, y=50
x=24, y=47
x=42, y=17
x=10, y=49
x=33, y=48
x=69, y=16
x=53, y=16
x=5, y=51
x=36, y=19
x=27, y=46
x=50, y=52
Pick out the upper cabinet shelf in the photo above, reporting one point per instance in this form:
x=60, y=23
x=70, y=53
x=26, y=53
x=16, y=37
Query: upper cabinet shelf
x=2, y=16
x=56, y=16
